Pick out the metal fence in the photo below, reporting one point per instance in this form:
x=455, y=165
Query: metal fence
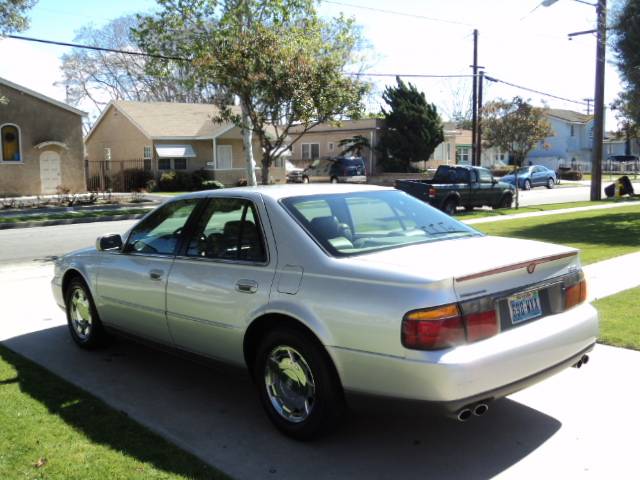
x=118, y=175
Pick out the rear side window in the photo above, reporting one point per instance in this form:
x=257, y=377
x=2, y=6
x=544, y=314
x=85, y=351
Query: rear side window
x=228, y=230
x=451, y=175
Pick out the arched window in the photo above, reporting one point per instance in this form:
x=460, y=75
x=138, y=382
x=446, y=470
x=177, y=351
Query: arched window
x=10, y=138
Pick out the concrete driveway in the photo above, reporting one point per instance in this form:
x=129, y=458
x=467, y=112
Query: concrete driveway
x=578, y=424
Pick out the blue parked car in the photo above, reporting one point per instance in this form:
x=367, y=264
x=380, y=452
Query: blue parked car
x=532, y=176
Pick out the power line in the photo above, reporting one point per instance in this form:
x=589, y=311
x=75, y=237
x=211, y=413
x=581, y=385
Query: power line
x=401, y=14
x=532, y=90
x=356, y=74
x=100, y=49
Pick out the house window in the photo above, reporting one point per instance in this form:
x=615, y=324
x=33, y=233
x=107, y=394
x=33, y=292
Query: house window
x=179, y=163
x=310, y=151
x=331, y=146
x=463, y=154
x=164, y=164
x=147, y=152
x=107, y=154
x=10, y=137
x=573, y=130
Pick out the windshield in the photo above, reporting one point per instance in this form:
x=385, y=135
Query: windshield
x=446, y=174
x=362, y=222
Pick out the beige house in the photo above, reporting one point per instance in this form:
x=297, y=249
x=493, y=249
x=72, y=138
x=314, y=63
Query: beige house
x=164, y=137
x=41, y=146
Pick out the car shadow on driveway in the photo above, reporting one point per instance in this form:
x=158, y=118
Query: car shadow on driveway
x=213, y=412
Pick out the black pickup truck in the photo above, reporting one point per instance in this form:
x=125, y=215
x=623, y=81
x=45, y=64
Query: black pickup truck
x=460, y=185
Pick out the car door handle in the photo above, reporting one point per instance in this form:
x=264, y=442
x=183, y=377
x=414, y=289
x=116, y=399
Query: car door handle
x=156, y=274
x=247, y=286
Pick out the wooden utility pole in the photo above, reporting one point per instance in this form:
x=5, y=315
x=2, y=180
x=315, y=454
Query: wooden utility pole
x=479, y=120
x=474, y=101
x=598, y=104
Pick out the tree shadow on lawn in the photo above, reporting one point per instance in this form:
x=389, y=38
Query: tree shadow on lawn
x=102, y=424
x=215, y=414
x=615, y=229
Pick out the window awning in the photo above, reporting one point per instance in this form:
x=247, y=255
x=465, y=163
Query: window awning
x=175, y=151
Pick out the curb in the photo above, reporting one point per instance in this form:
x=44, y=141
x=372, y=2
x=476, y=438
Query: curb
x=69, y=221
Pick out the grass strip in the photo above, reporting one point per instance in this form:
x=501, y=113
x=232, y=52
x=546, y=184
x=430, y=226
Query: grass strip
x=52, y=429
x=67, y=215
x=539, y=208
x=599, y=234
x=620, y=319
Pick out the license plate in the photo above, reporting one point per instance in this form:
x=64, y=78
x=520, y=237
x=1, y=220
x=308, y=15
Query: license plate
x=524, y=306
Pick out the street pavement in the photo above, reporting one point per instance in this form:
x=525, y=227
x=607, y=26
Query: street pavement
x=577, y=424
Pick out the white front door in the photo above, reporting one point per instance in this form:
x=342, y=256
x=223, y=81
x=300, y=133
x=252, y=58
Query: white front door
x=50, y=176
x=224, y=157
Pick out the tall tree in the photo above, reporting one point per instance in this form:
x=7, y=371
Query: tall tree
x=626, y=38
x=100, y=76
x=412, y=129
x=13, y=18
x=514, y=126
x=13, y=15
x=278, y=59
x=354, y=145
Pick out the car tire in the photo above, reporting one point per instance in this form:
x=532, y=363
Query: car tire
x=297, y=383
x=550, y=183
x=305, y=179
x=468, y=208
x=334, y=180
x=83, y=321
x=450, y=207
x=505, y=201
x=527, y=185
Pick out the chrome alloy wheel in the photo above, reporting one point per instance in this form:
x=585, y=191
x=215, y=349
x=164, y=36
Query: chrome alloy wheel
x=290, y=384
x=80, y=313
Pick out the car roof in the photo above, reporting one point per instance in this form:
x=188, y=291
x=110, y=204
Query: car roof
x=287, y=190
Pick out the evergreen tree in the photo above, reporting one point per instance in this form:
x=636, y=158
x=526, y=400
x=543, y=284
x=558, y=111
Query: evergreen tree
x=626, y=38
x=412, y=130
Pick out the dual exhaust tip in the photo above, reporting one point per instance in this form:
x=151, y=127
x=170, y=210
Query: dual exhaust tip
x=478, y=410
x=583, y=361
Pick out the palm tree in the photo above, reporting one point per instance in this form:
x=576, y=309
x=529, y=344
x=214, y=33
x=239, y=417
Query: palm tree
x=354, y=145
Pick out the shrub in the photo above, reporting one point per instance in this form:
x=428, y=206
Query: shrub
x=570, y=175
x=242, y=182
x=175, y=182
x=135, y=179
x=501, y=171
x=211, y=185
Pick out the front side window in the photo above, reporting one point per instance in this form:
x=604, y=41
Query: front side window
x=10, y=137
x=357, y=223
x=228, y=230
x=485, y=176
x=160, y=232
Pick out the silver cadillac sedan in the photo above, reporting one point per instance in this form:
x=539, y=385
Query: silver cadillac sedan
x=323, y=290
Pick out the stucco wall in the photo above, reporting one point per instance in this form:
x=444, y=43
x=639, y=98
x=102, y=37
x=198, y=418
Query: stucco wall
x=41, y=121
x=116, y=132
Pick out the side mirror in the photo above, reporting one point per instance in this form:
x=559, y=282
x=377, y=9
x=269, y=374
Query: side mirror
x=109, y=242
x=494, y=181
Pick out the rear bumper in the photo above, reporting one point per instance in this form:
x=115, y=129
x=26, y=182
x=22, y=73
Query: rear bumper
x=487, y=369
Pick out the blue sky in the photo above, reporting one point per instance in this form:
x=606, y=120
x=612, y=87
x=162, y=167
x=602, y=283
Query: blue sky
x=516, y=44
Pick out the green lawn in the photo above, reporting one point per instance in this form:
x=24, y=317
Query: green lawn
x=51, y=429
x=77, y=214
x=620, y=319
x=599, y=234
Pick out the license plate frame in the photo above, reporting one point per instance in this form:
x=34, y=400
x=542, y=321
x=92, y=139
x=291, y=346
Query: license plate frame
x=524, y=306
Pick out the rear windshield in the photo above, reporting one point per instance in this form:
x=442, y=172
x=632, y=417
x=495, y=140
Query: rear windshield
x=451, y=175
x=352, y=162
x=356, y=223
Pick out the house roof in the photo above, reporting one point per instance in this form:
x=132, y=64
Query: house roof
x=39, y=96
x=568, y=115
x=170, y=121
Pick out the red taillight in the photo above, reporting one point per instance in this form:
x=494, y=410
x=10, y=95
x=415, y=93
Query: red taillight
x=433, y=328
x=481, y=325
x=432, y=192
x=575, y=294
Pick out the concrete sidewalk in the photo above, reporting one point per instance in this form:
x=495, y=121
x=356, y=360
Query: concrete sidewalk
x=612, y=276
x=515, y=216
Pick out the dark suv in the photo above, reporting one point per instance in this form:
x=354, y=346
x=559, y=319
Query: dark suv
x=336, y=170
